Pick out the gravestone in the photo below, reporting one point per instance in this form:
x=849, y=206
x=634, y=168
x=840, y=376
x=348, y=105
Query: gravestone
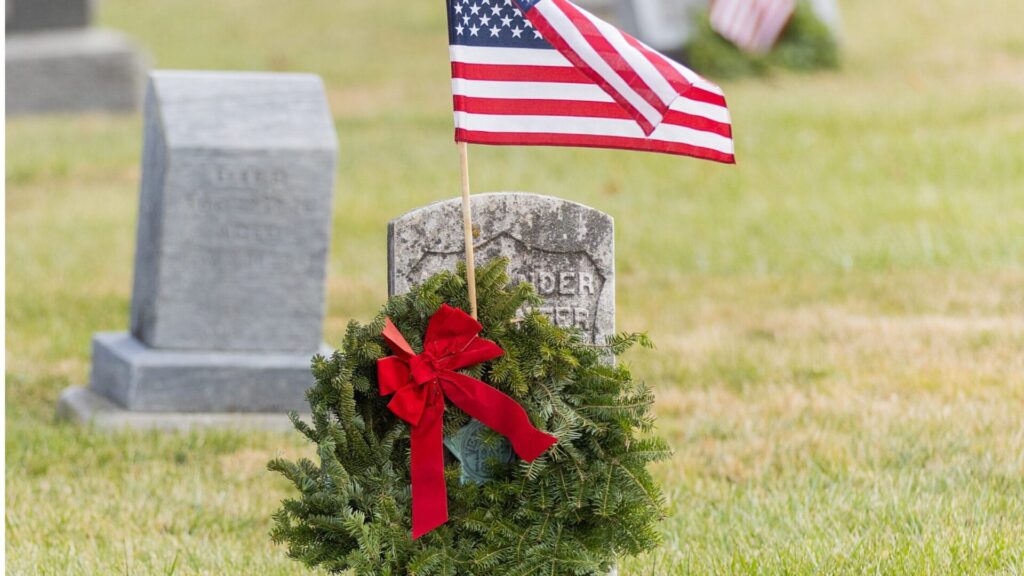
x=56, y=63
x=566, y=250
x=233, y=233
x=665, y=25
x=25, y=15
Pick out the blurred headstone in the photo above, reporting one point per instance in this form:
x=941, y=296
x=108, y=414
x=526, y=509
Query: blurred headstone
x=230, y=265
x=664, y=25
x=566, y=250
x=26, y=15
x=56, y=63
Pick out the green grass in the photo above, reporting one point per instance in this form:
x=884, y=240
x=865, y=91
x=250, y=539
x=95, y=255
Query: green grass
x=840, y=318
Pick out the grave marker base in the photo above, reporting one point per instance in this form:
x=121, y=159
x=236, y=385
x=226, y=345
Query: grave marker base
x=135, y=385
x=72, y=71
x=83, y=406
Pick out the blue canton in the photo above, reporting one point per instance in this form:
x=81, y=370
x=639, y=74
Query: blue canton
x=492, y=23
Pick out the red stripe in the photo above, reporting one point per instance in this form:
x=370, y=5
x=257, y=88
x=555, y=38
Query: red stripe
x=618, y=63
x=508, y=107
x=679, y=83
x=698, y=94
x=555, y=39
x=519, y=73
x=586, y=141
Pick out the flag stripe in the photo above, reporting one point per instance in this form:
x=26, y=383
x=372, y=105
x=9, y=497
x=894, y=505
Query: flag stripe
x=588, y=141
x=583, y=93
x=504, y=73
x=501, y=106
x=591, y=127
x=507, y=56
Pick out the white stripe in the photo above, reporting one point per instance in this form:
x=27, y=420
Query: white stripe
x=590, y=127
x=575, y=92
x=702, y=109
x=636, y=59
x=507, y=56
x=529, y=90
x=574, y=38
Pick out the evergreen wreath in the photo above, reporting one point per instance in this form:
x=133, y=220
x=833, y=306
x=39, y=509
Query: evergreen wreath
x=586, y=501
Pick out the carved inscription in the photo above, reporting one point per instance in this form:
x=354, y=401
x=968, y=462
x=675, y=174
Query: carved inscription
x=244, y=215
x=241, y=252
x=569, y=282
x=564, y=249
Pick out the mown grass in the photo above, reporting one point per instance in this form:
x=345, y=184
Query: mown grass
x=840, y=318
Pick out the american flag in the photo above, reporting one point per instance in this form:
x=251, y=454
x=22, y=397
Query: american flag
x=546, y=72
x=752, y=25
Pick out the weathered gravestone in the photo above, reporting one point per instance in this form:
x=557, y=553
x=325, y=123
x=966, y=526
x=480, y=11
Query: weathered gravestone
x=233, y=233
x=566, y=250
x=56, y=63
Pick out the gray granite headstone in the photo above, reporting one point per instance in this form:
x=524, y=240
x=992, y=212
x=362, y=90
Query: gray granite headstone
x=566, y=250
x=234, y=219
x=56, y=63
x=665, y=25
x=24, y=15
x=233, y=234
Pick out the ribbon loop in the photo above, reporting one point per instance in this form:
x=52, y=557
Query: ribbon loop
x=420, y=383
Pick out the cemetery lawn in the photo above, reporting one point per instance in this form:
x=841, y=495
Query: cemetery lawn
x=839, y=318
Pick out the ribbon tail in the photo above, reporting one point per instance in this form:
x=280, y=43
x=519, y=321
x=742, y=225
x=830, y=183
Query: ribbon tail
x=498, y=412
x=429, y=494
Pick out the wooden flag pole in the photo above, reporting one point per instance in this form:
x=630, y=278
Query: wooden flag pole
x=467, y=227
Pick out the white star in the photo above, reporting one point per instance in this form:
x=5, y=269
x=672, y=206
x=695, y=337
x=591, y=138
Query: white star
x=518, y=12
x=495, y=10
x=458, y=8
x=465, y=18
x=506, y=21
x=473, y=30
x=485, y=20
x=508, y=2
x=528, y=23
x=517, y=32
x=536, y=34
x=494, y=31
x=475, y=8
x=459, y=29
x=485, y=2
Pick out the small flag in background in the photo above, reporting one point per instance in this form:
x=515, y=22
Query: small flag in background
x=752, y=25
x=546, y=72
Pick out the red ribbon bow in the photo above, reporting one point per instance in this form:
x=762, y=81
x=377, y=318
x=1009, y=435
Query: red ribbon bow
x=420, y=383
